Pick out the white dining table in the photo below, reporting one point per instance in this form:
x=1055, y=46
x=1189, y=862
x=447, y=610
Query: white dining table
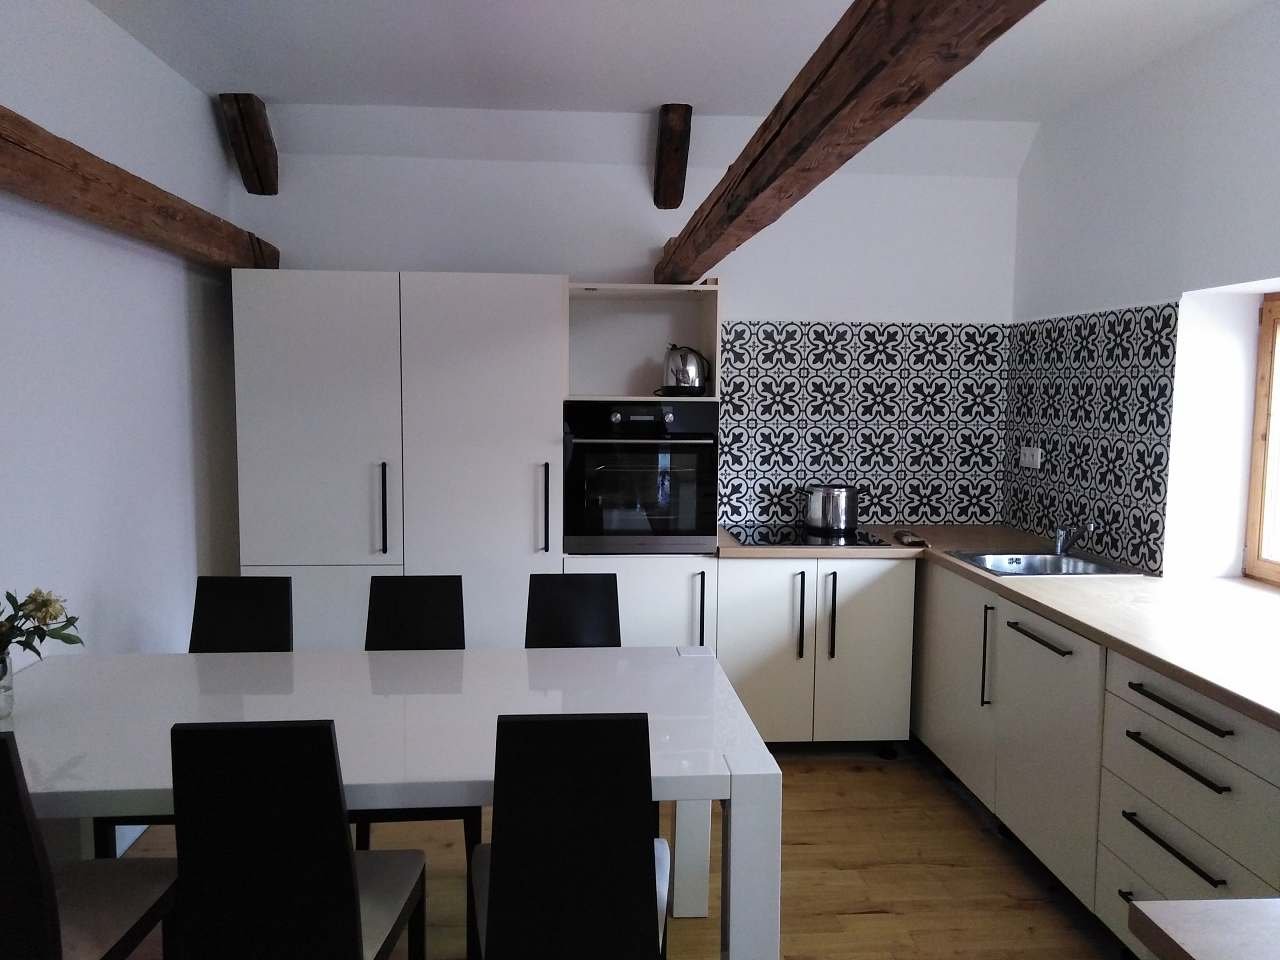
x=417, y=729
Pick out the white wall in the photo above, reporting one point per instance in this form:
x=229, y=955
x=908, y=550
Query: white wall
x=117, y=475
x=420, y=189
x=1165, y=184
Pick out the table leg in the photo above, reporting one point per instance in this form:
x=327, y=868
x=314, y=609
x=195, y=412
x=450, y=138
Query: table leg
x=751, y=872
x=692, y=858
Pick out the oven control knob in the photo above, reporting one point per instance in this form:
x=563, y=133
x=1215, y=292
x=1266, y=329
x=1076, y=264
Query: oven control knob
x=615, y=417
x=668, y=417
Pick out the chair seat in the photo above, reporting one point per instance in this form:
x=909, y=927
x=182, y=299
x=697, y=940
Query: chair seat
x=388, y=881
x=480, y=882
x=105, y=905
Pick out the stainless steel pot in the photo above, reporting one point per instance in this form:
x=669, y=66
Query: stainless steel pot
x=831, y=506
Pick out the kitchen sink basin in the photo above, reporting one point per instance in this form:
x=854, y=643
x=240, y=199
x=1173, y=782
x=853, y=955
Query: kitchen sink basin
x=1037, y=564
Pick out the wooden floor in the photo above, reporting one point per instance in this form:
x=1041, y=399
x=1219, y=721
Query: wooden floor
x=881, y=860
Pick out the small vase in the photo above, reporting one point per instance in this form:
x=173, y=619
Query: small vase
x=6, y=685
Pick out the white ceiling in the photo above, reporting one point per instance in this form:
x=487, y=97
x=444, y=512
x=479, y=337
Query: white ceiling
x=723, y=56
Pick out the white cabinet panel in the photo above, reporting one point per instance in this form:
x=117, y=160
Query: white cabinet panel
x=330, y=604
x=862, y=682
x=317, y=358
x=1049, y=744
x=765, y=642
x=662, y=601
x=485, y=377
x=955, y=641
x=1118, y=883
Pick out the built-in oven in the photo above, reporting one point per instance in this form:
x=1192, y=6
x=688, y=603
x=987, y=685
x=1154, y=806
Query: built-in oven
x=640, y=477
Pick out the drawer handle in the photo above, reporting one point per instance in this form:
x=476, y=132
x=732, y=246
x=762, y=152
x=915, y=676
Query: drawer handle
x=1017, y=627
x=1174, y=762
x=1173, y=851
x=1142, y=691
x=1126, y=895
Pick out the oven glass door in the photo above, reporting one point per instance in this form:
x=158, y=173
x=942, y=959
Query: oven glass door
x=658, y=488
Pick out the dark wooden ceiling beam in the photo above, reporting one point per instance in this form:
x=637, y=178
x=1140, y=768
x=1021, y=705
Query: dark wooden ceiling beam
x=249, y=131
x=672, y=163
x=44, y=168
x=880, y=62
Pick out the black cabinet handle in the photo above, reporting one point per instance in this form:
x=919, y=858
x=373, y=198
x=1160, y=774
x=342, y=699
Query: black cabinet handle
x=1126, y=895
x=1173, y=851
x=1017, y=627
x=800, y=632
x=384, y=506
x=831, y=637
x=982, y=679
x=1177, y=764
x=702, y=608
x=1142, y=691
x=546, y=507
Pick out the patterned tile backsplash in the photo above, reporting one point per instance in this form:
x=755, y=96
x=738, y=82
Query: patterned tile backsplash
x=927, y=420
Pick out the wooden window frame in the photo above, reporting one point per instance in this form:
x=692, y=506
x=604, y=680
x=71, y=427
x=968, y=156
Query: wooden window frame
x=1264, y=432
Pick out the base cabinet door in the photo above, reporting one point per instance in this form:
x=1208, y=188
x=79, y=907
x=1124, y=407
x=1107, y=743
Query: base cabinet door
x=1048, y=702
x=662, y=601
x=862, y=675
x=955, y=664
x=330, y=604
x=765, y=642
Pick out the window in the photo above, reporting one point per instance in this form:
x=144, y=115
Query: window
x=1262, y=538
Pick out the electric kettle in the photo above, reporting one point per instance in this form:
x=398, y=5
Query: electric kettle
x=686, y=373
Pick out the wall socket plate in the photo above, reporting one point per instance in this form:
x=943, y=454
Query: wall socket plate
x=1030, y=457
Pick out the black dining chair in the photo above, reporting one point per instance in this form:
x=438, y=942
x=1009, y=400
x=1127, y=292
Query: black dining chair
x=419, y=613
x=574, y=870
x=242, y=615
x=87, y=911
x=572, y=610
x=264, y=851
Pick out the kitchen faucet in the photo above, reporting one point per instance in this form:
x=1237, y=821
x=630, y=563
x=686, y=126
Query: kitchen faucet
x=1064, y=538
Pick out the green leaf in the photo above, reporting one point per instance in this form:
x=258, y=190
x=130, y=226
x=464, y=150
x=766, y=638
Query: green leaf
x=13, y=601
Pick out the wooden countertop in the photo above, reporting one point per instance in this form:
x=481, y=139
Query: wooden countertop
x=1220, y=637
x=1208, y=929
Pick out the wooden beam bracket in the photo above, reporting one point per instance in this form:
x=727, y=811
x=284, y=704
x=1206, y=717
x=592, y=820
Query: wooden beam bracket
x=672, y=163
x=249, y=131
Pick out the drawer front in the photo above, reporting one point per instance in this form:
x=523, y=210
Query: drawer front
x=1223, y=802
x=1137, y=840
x=1253, y=745
x=1116, y=882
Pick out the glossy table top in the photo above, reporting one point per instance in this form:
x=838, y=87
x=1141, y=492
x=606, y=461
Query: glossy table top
x=414, y=728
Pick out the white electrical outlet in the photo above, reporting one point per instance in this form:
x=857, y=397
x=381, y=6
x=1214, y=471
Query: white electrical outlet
x=1030, y=457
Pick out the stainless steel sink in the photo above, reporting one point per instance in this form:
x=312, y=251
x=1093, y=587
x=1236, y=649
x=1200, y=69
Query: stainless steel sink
x=1037, y=564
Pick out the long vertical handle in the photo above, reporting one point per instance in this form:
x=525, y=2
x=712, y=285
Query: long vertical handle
x=702, y=608
x=982, y=679
x=384, y=506
x=546, y=506
x=800, y=632
x=831, y=627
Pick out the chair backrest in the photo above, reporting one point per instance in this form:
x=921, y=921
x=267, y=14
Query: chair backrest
x=572, y=610
x=415, y=613
x=572, y=868
x=28, y=907
x=242, y=615
x=264, y=852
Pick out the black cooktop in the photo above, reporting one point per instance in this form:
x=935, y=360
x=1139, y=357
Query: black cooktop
x=795, y=534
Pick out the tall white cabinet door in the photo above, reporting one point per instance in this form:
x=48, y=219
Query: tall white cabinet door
x=330, y=604
x=954, y=671
x=1048, y=701
x=662, y=601
x=766, y=642
x=862, y=682
x=485, y=377
x=317, y=358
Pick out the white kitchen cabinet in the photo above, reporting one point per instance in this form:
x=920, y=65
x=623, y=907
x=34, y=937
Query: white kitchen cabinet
x=330, y=604
x=1048, y=702
x=862, y=670
x=955, y=660
x=317, y=366
x=485, y=370
x=766, y=636
x=662, y=601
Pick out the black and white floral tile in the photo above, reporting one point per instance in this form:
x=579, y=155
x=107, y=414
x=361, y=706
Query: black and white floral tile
x=911, y=413
x=1095, y=393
